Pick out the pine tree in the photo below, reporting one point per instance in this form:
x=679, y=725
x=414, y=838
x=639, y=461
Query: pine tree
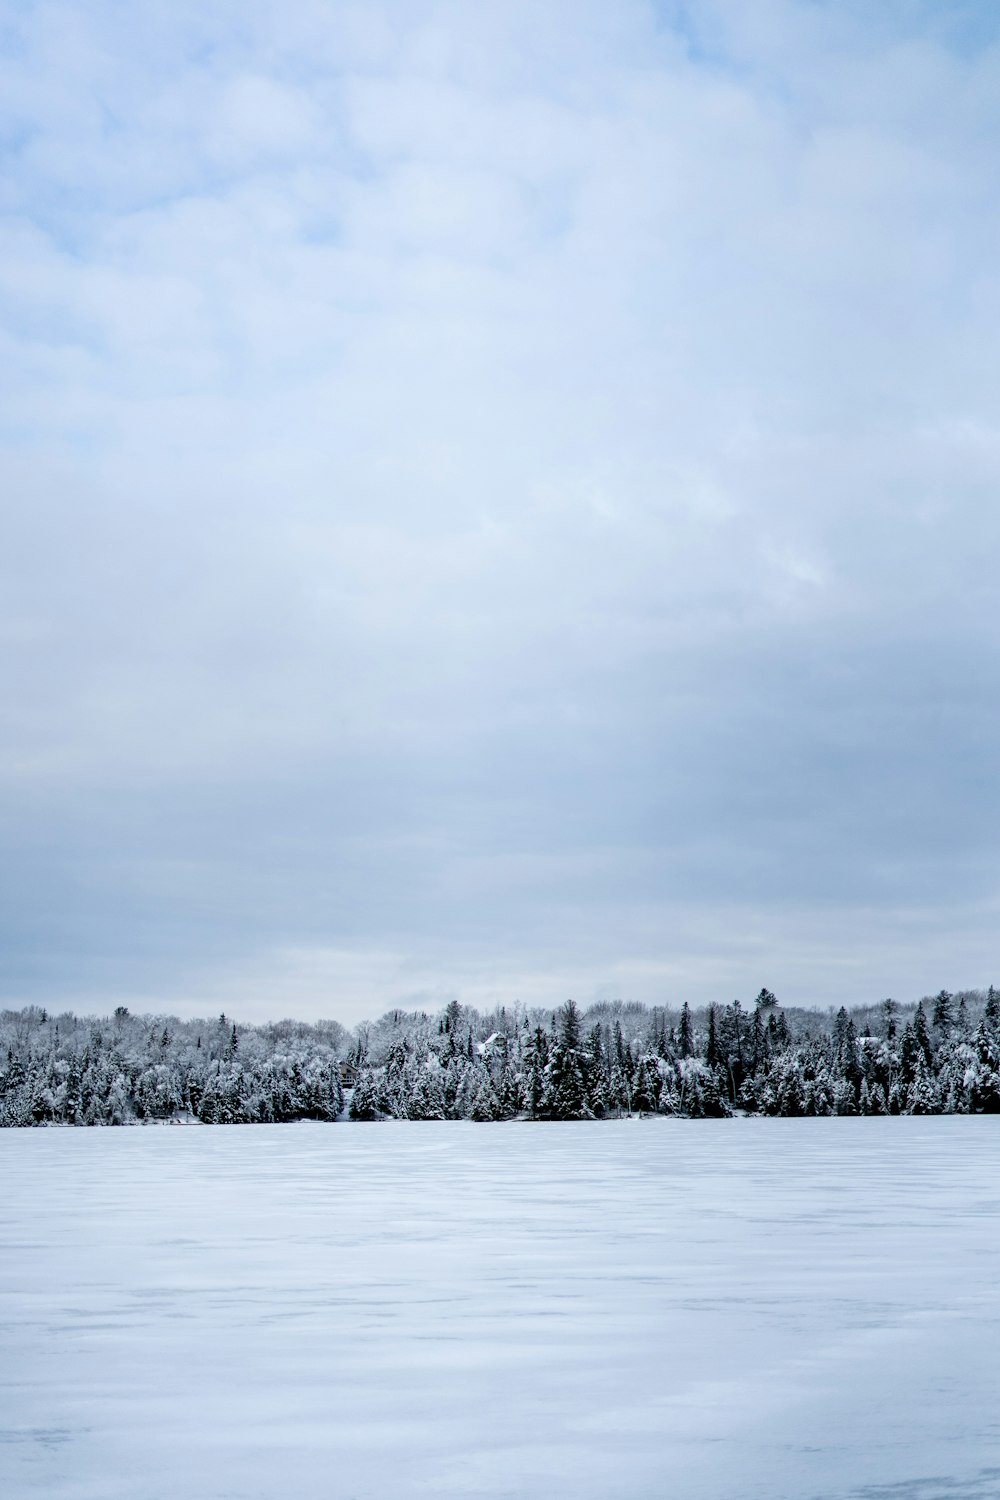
x=646, y=1085
x=942, y=1014
x=365, y=1100
x=509, y=1092
x=889, y=1019
x=777, y=1030
x=569, y=1027
x=427, y=1101
x=759, y=1046
x=565, y=1095
x=685, y=1036
x=922, y=1035
x=840, y=1032
x=536, y=1059
x=922, y=1096
x=595, y=1074
x=992, y=1012
x=843, y=1098
x=486, y=1105
x=910, y=1054
x=736, y=1013
x=712, y=1054
x=452, y=1016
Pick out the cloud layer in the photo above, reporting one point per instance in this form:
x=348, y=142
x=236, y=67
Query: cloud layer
x=497, y=500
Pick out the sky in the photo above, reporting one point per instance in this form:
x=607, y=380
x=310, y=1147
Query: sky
x=498, y=502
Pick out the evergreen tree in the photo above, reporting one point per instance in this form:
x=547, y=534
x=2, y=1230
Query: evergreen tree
x=758, y=1045
x=536, y=1060
x=777, y=1031
x=992, y=1012
x=595, y=1074
x=910, y=1054
x=365, y=1100
x=452, y=1017
x=685, y=1034
x=486, y=1105
x=942, y=1014
x=569, y=1027
x=922, y=1036
x=712, y=1053
x=889, y=1019
x=647, y=1085
x=565, y=1095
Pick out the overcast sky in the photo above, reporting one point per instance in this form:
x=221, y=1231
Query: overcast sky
x=499, y=501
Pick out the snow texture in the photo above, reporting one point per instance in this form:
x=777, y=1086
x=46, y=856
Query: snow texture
x=716, y=1310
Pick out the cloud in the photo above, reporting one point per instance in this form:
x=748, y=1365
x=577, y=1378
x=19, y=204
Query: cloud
x=511, y=491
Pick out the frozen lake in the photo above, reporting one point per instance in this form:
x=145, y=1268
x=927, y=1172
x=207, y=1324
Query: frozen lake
x=716, y=1310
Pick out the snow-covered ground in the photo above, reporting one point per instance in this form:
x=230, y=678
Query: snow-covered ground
x=703, y=1311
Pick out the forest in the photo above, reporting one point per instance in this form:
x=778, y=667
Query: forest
x=939, y=1056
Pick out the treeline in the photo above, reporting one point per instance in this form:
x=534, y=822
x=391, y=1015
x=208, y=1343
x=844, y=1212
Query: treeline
x=941, y=1056
x=617, y=1060
x=64, y=1070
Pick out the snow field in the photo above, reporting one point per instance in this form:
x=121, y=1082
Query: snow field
x=717, y=1310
